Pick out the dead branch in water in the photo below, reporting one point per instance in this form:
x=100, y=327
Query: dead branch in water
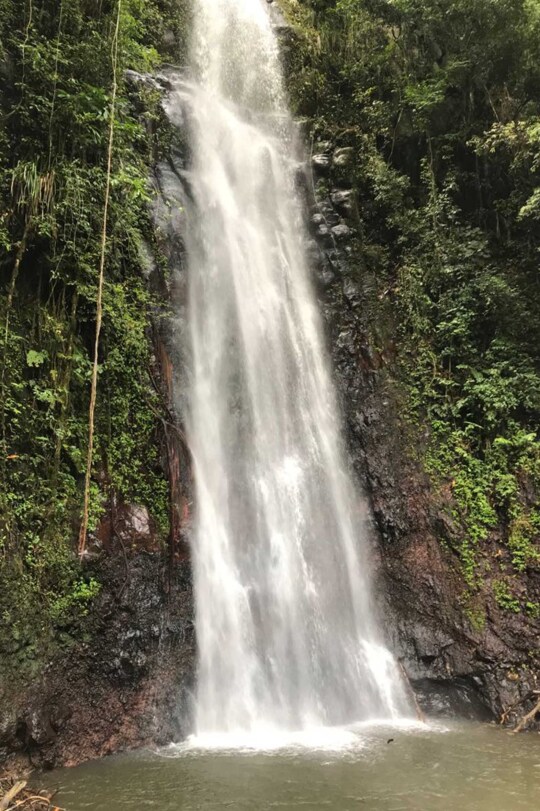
x=526, y=720
x=15, y=796
x=11, y=794
x=419, y=712
x=504, y=717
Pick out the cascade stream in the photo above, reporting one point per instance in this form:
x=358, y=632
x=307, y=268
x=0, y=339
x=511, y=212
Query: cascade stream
x=286, y=635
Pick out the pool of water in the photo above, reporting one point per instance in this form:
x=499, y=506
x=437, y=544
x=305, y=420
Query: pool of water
x=467, y=767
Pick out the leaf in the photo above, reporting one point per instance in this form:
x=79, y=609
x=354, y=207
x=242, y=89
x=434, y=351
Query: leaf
x=45, y=396
x=35, y=358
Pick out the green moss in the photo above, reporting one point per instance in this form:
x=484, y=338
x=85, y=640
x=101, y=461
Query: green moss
x=524, y=533
x=476, y=616
x=505, y=597
x=487, y=493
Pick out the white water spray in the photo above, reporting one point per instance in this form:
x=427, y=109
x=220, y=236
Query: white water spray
x=284, y=624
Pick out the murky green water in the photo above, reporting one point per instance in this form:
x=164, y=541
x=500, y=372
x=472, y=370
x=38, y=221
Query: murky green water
x=468, y=767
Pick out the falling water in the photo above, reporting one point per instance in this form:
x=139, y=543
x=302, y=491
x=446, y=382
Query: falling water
x=284, y=626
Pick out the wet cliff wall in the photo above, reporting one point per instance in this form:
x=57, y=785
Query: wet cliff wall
x=123, y=683
x=455, y=666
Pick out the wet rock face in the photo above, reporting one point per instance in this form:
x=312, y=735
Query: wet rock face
x=126, y=682
x=129, y=524
x=127, y=686
x=453, y=666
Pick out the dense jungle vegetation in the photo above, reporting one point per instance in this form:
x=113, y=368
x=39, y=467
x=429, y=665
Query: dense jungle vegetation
x=440, y=102
x=57, y=64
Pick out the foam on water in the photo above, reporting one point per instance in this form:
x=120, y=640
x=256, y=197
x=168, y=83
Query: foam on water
x=275, y=740
x=271, y=740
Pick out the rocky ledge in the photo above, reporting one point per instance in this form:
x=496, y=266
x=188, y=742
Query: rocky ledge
x=126, y=682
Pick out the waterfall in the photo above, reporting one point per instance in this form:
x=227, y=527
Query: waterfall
x=285, y=629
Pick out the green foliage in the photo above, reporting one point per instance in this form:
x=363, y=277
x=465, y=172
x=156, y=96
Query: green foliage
x=476, y=616
x=523, y=538
x=504, y=597
x=55, y=64
x=75, y=602
x=440, y=102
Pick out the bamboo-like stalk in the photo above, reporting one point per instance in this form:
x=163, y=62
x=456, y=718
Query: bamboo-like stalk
x=99, y=303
